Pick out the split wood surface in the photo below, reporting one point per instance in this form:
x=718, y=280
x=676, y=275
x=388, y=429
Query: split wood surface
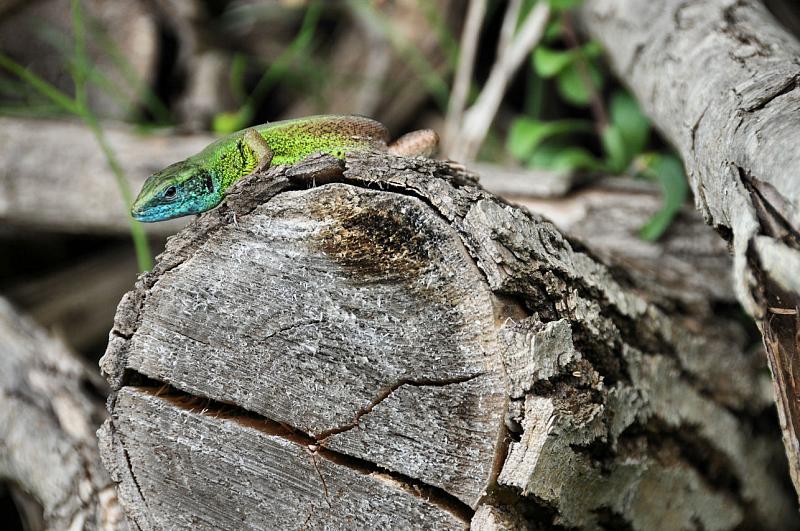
x=395, y=347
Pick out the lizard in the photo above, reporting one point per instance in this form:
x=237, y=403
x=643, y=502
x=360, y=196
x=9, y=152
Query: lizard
x=199, y=183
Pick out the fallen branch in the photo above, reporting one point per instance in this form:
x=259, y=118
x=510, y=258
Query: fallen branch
x=48, y=418
x=64, y=184
x=471, y=128
x=720, y=79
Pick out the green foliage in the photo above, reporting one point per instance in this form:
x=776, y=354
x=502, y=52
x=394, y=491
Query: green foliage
x=626, y=135
x=632, y=124
x=668, y=171
x=549, y=62
x=527, y=134
x=575, y=71
x=615, y=149
x=621, y=132
x=564, y=5
x=560, y=157
x=573, y=83
x=297, y=53
x=81, y=71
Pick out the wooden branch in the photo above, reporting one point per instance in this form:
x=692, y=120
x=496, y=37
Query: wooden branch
x=399, y=348
x=63, y=183
x=48, y=418
x=78, y=302
x=720, y=79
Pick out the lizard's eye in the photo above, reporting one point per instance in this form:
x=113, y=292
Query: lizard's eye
x=170, y=192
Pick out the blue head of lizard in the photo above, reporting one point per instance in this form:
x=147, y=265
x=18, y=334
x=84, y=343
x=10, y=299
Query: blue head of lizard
x=184, y=188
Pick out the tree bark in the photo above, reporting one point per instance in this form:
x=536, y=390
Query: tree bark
x=720, y=79
x=48, y=418
x=396, y=348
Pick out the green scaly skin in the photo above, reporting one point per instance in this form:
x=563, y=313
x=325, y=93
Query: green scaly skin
x=199, y=183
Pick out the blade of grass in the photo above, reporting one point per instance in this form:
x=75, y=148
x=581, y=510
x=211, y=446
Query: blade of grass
x=80, y=108
x=80, y=75
x=445, y=37
x=39, y=84
x=433, y=82
x=148, y=97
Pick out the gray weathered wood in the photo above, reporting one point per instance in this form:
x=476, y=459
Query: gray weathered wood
x=400, y=331
x=48, y=418
x=688, y=263
x=720, y=79
x=78, y=301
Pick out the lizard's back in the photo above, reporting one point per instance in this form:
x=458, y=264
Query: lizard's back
x=293, y=140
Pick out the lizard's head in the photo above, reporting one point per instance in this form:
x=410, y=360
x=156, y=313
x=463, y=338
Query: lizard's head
x=183, y=188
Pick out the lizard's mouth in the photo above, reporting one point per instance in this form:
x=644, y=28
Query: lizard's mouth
x=143, y=214
x=137, y=212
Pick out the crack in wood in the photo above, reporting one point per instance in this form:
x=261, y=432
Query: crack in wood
x=382, y=395
x=785, y=88
x=136, y=484
x=249, y=419
x=770, y=206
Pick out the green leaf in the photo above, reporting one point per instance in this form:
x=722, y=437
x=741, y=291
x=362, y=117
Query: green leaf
x=554, y=30
x=632, y=124
x=573, y=87
x=614, y=145
x=563, y=5
x=527, y=134
x=592, y=49
x=40, y=85
x=228, y=122
x=549, y=63
x=557, y=157
x=575, y=158
x=668, y=171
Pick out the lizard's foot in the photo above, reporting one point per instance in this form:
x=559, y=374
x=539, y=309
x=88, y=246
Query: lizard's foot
x=416, y=143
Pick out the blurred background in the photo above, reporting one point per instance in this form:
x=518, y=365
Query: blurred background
x=97, y=94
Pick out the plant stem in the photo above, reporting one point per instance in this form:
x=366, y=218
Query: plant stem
x=80, y=74
x=581, y=63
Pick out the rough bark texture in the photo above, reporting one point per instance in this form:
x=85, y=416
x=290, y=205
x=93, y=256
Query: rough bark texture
x=398, y=348
x=720, y=78
x=689, y=264
x=48, y=418
x=65, y=183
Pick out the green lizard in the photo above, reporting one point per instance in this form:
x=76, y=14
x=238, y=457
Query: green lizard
x=199, y=183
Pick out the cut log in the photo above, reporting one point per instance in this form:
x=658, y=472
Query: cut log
x=689, y=263
x=48, y=418
x=397, y=348
x=720, y=79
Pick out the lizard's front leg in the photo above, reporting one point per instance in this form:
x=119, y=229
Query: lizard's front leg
x=260, y=148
